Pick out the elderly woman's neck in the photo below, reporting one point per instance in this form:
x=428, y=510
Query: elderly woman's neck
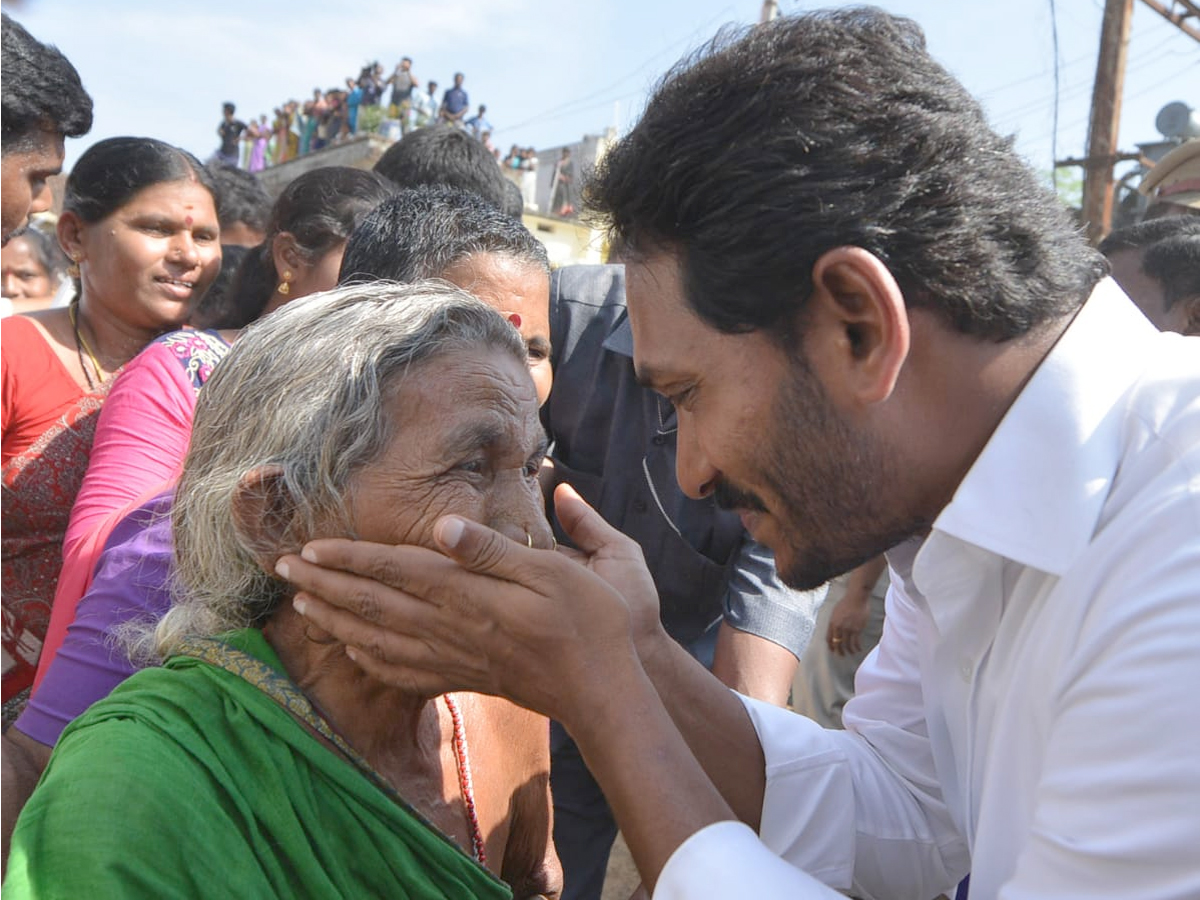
x=387, y=726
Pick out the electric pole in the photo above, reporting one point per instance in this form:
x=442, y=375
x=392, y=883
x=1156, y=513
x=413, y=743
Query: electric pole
x=1106, y=119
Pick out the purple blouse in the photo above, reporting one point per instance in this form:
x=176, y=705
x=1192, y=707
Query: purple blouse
x=131, y=582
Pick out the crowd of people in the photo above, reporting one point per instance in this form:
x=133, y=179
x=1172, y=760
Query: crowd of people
x=370, y=102
x=349, y=550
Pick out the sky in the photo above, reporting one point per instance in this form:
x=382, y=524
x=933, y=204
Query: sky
x=551, y=71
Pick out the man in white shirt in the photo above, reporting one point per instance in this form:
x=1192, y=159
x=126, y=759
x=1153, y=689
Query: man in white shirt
x=880, y=332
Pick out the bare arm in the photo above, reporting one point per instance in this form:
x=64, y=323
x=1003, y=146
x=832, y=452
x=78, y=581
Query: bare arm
x=849, y=616
x=753, y=665
x=530, y=864
x=23, y=761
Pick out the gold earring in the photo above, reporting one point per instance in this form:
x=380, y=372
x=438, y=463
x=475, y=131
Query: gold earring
x=284, y=288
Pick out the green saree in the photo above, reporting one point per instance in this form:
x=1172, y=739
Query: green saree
x=190, y=781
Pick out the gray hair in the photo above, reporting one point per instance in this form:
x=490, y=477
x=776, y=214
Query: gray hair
x=303, y=391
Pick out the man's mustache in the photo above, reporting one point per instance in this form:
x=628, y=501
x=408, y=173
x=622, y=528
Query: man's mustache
x=727, y=496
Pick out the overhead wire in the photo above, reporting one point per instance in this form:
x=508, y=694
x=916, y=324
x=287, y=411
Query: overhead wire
x=572, y=107
x=1054, y=134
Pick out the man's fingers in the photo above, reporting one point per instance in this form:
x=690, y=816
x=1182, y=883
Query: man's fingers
x=395, y=658
x=413, y=681
x=586, y=527
x=478, y=548
x=384, y=563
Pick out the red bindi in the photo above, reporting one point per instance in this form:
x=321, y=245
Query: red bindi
x=187, y=220
x=515, y=319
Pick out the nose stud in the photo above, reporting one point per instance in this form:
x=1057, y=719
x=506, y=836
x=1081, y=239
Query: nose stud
x=528, y=539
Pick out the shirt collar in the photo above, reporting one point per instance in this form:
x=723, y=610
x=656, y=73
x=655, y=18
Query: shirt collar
x=1036, y=491
x=620, y=339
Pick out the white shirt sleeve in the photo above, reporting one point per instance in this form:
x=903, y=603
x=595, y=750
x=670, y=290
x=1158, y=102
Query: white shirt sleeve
x=836, y=815
x=728, y=860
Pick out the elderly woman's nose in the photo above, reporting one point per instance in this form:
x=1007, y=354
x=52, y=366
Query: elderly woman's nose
x=520, y=515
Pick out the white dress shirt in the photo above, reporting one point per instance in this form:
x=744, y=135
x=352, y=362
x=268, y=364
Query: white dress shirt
x=1032, y=713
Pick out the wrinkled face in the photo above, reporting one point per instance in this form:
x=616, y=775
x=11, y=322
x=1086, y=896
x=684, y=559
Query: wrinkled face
x=520, y=292
x=23, y=174
x=466, y=441
x=150, y=260
x=758, y=432
x=22, y=275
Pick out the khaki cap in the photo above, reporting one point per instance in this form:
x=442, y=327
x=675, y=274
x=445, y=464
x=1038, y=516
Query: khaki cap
x=1176, y=177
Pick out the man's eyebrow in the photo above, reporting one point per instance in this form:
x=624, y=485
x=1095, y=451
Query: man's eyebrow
x=648, y=376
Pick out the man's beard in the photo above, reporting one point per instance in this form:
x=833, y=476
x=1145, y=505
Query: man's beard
x=835, y=490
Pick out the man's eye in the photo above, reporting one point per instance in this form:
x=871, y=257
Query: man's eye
x=679, y=399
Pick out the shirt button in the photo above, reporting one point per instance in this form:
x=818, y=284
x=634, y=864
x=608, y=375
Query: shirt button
x=658, y=440
x=965, y=671
x=639, y=506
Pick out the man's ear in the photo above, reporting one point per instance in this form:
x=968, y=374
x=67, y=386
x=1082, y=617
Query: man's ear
x=1191, y=317
x=856, y=329
x=262, y=514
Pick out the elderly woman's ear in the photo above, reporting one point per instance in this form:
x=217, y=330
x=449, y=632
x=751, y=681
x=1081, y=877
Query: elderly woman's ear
x=262, y=514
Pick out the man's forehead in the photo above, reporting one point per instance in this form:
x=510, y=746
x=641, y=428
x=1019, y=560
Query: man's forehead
x=47, y=151
x=663, y=324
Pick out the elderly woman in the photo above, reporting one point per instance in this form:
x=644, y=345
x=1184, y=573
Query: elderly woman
x=261, y=760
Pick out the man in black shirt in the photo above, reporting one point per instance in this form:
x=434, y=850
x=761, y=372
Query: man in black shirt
x=230, y=131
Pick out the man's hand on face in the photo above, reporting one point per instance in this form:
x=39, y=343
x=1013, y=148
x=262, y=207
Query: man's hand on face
x=487, y=614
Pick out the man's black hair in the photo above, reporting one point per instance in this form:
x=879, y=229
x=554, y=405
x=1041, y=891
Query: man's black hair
x=41, y=91
x=1150, y=231
x=444, y=155
x=421, y=232
x=1170, y=248
x=241, y=197
x=778, y=143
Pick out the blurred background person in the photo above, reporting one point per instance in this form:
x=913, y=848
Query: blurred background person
x=139, y=222
x=243, y=204
x=1157, y=263
x=1173, y=184
x=32, y=269
x=452, y=157
x=43, y=102
x=230, y=132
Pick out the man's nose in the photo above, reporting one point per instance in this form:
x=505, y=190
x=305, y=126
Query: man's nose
x=42, y=199
x=696, y=475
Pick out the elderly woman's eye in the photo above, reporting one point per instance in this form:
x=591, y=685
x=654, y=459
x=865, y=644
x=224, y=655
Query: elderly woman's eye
x=474, y=466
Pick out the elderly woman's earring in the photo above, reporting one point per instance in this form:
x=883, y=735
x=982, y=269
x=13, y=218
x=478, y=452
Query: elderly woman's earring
x=284, y=287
